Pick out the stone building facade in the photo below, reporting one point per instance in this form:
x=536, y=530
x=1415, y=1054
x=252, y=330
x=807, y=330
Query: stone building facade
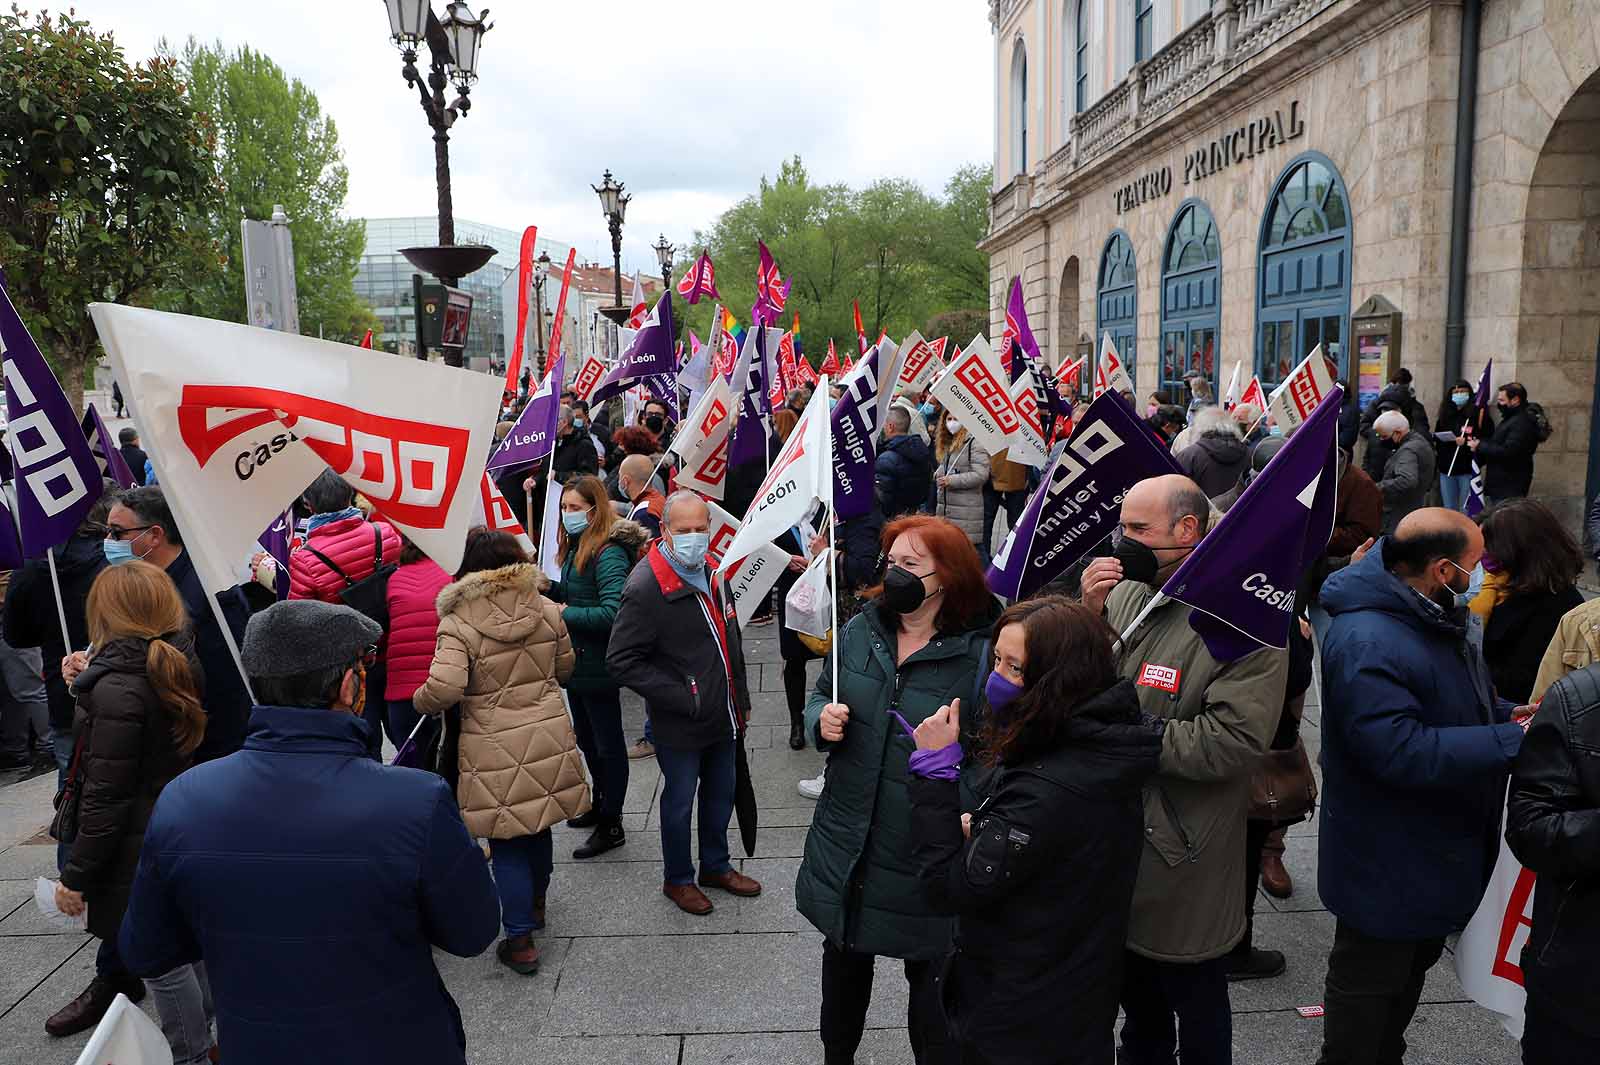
x=1244, y=179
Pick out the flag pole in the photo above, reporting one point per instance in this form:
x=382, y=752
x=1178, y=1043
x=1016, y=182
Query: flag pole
x=49, y=552
x=833, y=581
x=1155, y=601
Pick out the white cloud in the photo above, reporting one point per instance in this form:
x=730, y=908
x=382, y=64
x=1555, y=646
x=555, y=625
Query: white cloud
x=689, y=103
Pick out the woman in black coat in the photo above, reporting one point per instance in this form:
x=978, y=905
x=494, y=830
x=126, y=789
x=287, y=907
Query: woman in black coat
x=1539, y=559
x=1042, y=878
x=138, y=722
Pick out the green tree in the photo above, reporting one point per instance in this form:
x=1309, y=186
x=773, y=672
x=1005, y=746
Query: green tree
x=105, y=167
x=275, y=146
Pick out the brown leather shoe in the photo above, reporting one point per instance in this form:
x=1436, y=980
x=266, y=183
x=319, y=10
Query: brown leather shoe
x=733, y=882
x=518, y=954
x=689, y=898
x=85, y=1011
x=1274, y=877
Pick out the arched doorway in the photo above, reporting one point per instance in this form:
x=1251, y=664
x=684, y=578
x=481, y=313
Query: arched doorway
x=1191, y=277
x=1303, y=295
x=1117, y=299
x=1067, y=314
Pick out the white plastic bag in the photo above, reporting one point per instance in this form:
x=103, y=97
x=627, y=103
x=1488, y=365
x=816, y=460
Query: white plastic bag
x=44, y=897
x=808, y=607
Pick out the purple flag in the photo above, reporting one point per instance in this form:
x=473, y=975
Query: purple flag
x=1474, y=505
x=106, y=453
x=752, y=431
x=58, y=479
x=1020, y=335
x=651, y=353
x=534, y=435
x=275, y=542
x=1241, y=580
x=855, y=435
x=1079, y=499
x=770, y=294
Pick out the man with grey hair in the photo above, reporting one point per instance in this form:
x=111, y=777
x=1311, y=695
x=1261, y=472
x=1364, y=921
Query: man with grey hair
x=1408, y=472
x=676, y=642
x=1218, y=718
x=903, y=473
x=575, y=454
x=1216, y=454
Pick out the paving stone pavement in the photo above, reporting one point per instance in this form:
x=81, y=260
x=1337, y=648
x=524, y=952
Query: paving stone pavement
x=626, y=977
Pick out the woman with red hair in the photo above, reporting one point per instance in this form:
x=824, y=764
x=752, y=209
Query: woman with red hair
x=919, y=643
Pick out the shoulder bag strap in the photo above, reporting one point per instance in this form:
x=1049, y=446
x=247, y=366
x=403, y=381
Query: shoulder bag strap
x=330, y=563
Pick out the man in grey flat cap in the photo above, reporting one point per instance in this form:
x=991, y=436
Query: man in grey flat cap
x=310, y=879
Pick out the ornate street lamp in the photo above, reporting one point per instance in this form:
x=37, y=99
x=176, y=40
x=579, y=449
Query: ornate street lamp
x=541, y=271
x=614, y=204
x=664, y=257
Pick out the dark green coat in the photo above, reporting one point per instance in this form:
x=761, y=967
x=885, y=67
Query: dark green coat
x=858, y=883
x=590, y=599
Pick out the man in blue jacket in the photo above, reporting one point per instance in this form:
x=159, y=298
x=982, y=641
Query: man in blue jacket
x=311, y=880
x=1416, y=749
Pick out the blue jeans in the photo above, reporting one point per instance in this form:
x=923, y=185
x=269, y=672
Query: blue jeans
x=183, y=1005
x=597, y=720
x=522, y=867
x=681, y=769
x=1454, y=490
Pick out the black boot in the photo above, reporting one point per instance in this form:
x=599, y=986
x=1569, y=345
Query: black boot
x=586, y=820
x=797, y=733
x=608, y=836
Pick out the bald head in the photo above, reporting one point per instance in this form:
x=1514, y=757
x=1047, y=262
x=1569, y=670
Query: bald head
x=1167, y=514
x=633, y=475
x=1434, y=550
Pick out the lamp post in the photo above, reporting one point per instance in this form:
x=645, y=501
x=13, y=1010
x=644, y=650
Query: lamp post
x=664, y=257
x=541, y=270
x=614, y=204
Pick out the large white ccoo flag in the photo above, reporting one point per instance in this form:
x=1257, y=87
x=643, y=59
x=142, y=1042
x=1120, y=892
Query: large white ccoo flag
x=974, y=389
x=801, y=475
x=702, y=440
x=1489, y=952
x=125, y=1036
x=239, y=420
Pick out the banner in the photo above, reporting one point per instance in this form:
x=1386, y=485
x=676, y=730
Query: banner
x=555, y=357
x=105, y=450
x=649, y=354
x=1027, y=443
x=919, y=366
x=1079, y=500
x=1489, y=953
x=239, y=420
x=974, y=389
x=1301, y=392
x=855, y=424
x=801, y=475
x=702, y=441
x=57, y=478
x=1241, y=579
x=1109, y=374
x=524, y=291
x=589, y=375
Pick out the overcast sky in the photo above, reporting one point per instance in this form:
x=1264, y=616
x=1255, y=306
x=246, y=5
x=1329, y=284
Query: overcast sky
x=689, y=103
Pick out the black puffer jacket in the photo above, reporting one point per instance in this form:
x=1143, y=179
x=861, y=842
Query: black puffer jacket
x=903, y=474
x=31, y=619
x=1214, y=462
x=1506, y=458
x=128, y=753
x=1043, y=889
x=1553, y=827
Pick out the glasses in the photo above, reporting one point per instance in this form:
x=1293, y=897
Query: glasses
x=369, y=656
x=117, y=532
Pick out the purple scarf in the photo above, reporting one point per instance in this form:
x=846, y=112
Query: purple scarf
x=942, y=764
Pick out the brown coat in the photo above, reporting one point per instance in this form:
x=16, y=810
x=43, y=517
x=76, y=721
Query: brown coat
x=1005, y=475
x=503, y=654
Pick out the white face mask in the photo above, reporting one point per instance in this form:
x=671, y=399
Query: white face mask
x=953, y=424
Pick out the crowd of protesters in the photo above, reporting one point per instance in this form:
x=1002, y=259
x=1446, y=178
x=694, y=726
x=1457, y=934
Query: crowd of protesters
x=1039, y=828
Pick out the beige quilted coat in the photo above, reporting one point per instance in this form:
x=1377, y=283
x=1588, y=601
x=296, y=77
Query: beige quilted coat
x=503, y=653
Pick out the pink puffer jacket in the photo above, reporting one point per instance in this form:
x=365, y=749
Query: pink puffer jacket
x=413, y=626
x=350, y=545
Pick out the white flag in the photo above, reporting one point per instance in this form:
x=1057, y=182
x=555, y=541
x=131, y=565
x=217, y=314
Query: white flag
x=749, y=578
x=1230, y=398
x=549, y=560
x=973, y=388
x=801, y=475
x=1489, y=952
x=125, y=1036
x=1027, y=443
x=1109, y=374
x=494, y=511
x=1293, y=401
x=239, y=420
x=702, y=440
x=918, y=366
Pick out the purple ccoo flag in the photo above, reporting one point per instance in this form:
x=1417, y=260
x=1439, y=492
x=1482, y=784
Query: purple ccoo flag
x=1474, y=504
x=275, y=542
x=855, y=435
x=58, y=480
x=1079, y=500
x=751, y=432
x=106, y=453
x=534, y=435
x=652, y=352
x=1241, y=579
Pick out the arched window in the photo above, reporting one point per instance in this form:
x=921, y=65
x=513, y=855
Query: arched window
x=1303, y=296
x=1117, y=298
x=1080, y=77
x=1191, y=276
x=1019, y=108
x=1144, y=21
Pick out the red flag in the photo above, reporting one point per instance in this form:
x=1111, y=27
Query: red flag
x=788, y=372
x=938, y=347
x=861, y=334
x=700, y=280
x=830, y=365
x=1067, y=376
x=366, y=341
x=771, y=290
x=637, y=313
x=561, y=315
x=1255, y=394
x=805, y=371
x=524, y=291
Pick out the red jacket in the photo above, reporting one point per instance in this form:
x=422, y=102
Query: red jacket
x=349, y=543
x=413, y=626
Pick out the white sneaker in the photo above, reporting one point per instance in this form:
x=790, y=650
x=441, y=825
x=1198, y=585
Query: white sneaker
x=812, y=788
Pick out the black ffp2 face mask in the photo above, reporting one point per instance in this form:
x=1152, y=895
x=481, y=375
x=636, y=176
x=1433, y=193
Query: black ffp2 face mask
x=1139, y=562
x=655, y=423
x=903, y=591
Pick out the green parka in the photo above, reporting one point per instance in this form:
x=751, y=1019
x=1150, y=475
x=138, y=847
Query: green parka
x=858, y=882
x=590, y=598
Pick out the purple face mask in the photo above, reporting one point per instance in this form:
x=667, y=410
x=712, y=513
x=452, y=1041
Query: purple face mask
x=1491, y=564
x=1000, y=692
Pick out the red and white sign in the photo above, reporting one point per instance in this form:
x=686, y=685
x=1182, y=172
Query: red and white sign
x=1109, y=373
x=589, y=375
x=1164, y=678
x=938, y=348
x=750, y=579
x=1254, y=394
x=1293, y=401
x=702, y=440
x=1027, y=443
x=974, y=389
x=1067, y=376
x=495, y=511
x=1489, y=953
x=801, y=475
x=919, y=365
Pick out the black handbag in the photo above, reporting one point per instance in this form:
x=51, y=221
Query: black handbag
x=369, y=595
x=64, y=825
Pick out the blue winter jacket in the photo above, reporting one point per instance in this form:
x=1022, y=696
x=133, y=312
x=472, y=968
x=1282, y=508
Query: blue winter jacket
x=903, y=474
x=1416, y=749
x=314, y=883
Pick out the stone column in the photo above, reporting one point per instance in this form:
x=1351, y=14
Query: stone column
x=1225, y=17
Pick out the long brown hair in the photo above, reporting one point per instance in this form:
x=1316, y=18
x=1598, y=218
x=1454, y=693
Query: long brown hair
x=602, y=516
x=1536, y=551
x=139, y=601
x=1069, y=660
x=966, y=597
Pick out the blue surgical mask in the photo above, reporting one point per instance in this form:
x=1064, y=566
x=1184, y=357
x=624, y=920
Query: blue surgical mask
x=577, y=423
x=690, y=548
x=118, y=551
x=928, y=410
x=1275, y=430
x=1460, y=398
x=1474, y=585
x=1000, y=692
x=574, y=521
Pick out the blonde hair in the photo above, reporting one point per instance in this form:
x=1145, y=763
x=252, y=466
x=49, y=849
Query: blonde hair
x=601, y=519
x=139, y=601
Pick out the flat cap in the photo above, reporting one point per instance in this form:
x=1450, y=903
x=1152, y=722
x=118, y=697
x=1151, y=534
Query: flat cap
x=302, y=636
